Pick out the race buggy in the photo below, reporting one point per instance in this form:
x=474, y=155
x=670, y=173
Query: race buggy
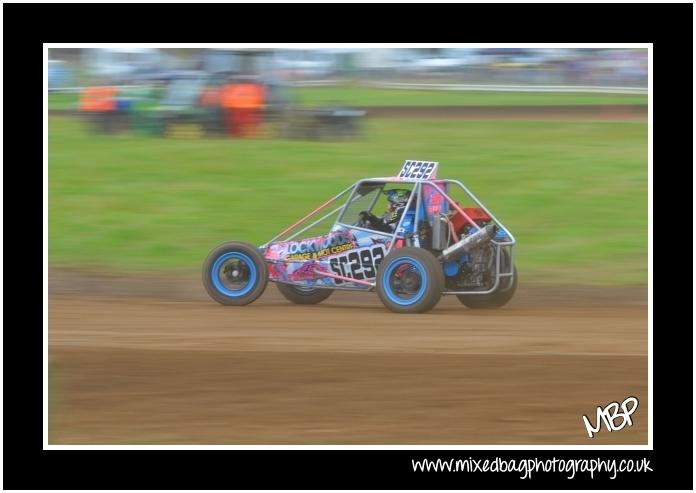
x=435, y=237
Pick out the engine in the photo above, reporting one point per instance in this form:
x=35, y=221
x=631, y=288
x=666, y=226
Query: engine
x=475, y=270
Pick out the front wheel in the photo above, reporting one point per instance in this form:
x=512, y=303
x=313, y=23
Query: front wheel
x=410, y=280
x=235, y=273
x=303, y=295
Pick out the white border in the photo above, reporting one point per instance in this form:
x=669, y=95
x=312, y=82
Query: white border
x=45, y=247
x=649, y=446
x=2, y=376
x=296, y=46
x=524, y=2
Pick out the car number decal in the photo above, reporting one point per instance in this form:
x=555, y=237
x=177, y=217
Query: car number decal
x=358, y=264
x=420, y=170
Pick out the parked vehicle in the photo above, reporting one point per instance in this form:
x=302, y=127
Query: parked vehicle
x=60, y=75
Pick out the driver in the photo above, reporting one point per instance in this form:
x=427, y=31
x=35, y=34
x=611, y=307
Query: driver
x=397, y=199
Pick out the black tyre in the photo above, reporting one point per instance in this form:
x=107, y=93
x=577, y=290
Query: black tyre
x=302, y=295
x=410, y=280
x=235, y=273
x=496, y=299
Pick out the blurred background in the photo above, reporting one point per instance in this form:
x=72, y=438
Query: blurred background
x=156, y=156
x=524, y=66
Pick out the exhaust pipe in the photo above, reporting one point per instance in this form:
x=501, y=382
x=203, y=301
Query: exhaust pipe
x=465, y=245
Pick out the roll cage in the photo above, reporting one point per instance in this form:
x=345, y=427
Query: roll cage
x=503, y=243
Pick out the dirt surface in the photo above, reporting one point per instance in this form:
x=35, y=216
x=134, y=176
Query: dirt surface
x=617, y=112
x=152, y=360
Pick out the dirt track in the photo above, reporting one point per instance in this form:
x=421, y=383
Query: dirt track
x=153, y=361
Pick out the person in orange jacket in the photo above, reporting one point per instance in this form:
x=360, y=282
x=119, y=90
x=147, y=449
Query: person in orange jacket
x=100, y=103
x=243, y=102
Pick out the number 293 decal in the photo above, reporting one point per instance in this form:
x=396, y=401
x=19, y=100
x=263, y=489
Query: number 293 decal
x=358, y=264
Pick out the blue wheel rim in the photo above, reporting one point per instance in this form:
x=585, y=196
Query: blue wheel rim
x=234, y=274
x=397, y=289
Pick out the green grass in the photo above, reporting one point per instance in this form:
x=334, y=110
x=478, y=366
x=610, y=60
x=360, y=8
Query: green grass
x=63, y=101
x=574, y=194
x=363, y=96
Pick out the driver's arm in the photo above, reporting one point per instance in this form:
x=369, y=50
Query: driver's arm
x=393, y=217
x=375, y=222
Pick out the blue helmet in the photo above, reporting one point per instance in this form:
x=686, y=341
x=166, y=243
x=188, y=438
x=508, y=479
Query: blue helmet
x=398, y=196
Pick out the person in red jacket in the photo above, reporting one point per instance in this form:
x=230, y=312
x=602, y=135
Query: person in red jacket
x=243, y=102
x=99, y=103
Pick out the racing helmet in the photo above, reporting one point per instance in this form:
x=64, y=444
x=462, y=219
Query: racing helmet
x=398, y=197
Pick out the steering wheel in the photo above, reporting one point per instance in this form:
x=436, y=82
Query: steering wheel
x=370, y=221
x=366, y=220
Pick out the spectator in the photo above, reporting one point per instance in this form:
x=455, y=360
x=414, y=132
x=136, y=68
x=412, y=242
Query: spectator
x=99, y=102
x=243, y=102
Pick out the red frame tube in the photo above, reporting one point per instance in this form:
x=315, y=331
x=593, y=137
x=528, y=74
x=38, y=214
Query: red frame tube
x=454, y=204
x=323, y=206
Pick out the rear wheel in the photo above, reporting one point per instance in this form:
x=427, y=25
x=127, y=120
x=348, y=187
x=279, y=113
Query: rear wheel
x=235, y=273
x=303, y=295
x=410, y=280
